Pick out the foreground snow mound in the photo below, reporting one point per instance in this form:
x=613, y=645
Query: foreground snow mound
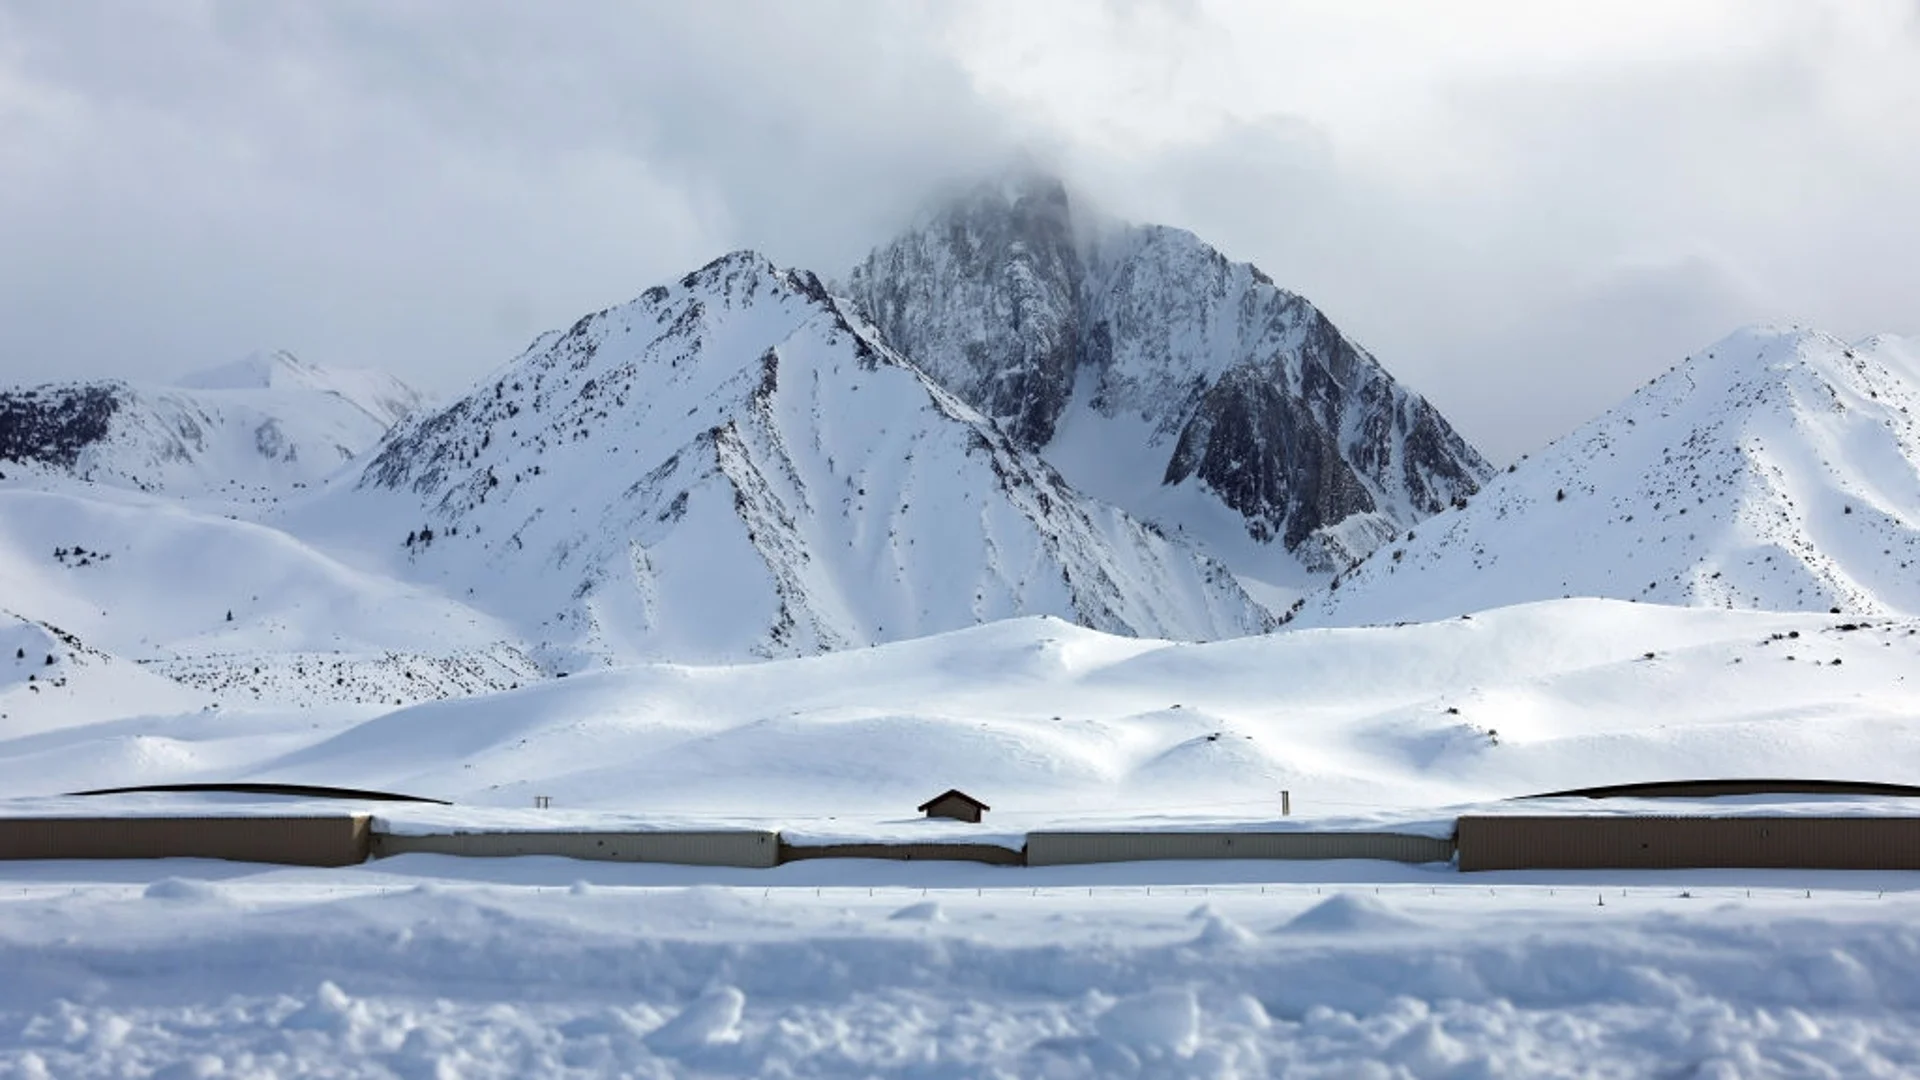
x=248, y=431
x=1349, y=913
x=1776, y=470
x=712, y=1019
x=340, y=974
x=1154, y=373
x=734, y=466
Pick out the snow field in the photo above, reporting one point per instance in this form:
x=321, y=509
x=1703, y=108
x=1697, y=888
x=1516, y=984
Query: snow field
x=1042, y=719
x=1053, y=725
x=400, y=971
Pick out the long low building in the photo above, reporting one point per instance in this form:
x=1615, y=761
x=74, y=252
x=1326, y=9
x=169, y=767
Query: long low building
x=1675, y=842
x=317, y=840
x=1074, y=848
x=728, y=847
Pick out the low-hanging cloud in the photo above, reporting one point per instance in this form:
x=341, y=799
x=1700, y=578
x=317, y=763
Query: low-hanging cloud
x=1522, y=209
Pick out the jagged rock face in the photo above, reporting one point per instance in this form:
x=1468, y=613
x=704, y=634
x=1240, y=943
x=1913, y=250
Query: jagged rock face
x=1003, y=267
x=1244, y=420
x=266, y=424
x=1235, y=385
x=1776, y=470
x=735, y=465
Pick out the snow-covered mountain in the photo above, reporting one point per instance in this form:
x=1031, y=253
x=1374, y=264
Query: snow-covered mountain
x=735, y=465
x=1778, y=469
x=266, y=423
x=381, y=396
x=1155, y=374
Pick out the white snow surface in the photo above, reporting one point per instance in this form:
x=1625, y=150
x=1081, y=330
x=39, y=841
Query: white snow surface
x=433, y=967
x=1778, y=469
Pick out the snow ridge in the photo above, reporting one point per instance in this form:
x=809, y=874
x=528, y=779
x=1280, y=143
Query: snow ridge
x=1778, y=469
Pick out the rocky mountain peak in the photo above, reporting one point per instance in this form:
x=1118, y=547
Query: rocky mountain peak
x=1007, y=336
x=1094, y=341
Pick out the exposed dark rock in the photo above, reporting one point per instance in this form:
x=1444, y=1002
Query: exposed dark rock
x=51, y=425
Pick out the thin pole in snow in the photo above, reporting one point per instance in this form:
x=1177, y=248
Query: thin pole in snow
x=1286, y=803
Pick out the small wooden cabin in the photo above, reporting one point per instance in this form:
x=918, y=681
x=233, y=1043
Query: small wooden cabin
x=956, y=804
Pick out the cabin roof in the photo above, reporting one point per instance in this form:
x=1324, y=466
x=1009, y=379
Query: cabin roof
x=952, y=793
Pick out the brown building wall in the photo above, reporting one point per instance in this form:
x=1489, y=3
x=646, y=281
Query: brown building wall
x=955, y=807
x=1070, y=848
x=1502, y=842
x=983, y=853
x=297, y=841
x=729, y=847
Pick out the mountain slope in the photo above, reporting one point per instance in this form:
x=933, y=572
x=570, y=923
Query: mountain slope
x=733, y=466
x=1777, y=470
x=263, y=424
x=1160, y=376
x=151, y=579
x=50, y=679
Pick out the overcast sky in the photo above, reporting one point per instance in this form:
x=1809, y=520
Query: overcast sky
x=1524, y=209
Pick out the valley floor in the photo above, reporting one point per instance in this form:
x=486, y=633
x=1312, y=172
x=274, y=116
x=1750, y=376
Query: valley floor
x=425, y=966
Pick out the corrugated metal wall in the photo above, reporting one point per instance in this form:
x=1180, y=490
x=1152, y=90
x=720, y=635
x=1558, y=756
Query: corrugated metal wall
x=1066, y=848
x=983, y=853
x=297, y=841
x=1500, y=842
x=733, y=847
